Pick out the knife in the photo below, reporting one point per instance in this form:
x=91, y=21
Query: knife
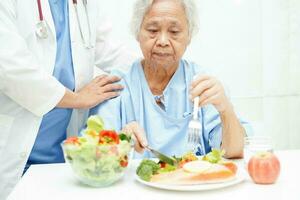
x=162, y=157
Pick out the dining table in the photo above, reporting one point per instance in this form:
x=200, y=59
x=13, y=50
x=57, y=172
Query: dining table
x=57, y=181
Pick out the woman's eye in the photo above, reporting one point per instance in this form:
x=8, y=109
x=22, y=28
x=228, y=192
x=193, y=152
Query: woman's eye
x=152, y=30
x=174, y=32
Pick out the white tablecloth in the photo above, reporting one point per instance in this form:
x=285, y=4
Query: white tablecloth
x=56, y=181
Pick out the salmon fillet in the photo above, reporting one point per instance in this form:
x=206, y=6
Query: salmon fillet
x=215, y=173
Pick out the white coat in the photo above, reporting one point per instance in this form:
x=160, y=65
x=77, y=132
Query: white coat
x=27, y=88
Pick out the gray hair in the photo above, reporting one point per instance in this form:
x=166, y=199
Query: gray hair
x=141, y=8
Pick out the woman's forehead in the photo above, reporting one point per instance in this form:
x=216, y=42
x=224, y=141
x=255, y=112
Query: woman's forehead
x=159, y=21
x=166, y=8
x=165, y=11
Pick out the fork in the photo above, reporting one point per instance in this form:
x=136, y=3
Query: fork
x=195, y=139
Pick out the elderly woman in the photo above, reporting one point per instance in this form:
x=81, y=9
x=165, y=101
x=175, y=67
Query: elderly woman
x=156, y=104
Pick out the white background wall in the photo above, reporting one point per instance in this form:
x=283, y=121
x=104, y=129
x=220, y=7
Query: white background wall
x=254, y=47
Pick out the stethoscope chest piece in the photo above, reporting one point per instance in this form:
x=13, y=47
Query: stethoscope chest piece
x=41, y=30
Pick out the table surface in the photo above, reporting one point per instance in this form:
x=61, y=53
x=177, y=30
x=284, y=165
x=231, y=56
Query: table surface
x=56, y=181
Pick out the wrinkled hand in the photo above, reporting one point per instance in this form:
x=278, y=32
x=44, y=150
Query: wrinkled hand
x=211, y=91
x=138, y=134
x=98, y=90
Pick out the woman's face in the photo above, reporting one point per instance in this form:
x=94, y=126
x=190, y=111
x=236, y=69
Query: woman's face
x=164, y=34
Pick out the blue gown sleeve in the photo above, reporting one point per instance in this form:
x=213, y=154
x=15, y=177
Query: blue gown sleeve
x=212, y=127
x=110, y=112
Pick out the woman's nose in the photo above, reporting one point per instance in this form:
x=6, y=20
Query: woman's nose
x=163, y=40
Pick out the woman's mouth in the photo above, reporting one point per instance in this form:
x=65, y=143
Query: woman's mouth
x=162, y=55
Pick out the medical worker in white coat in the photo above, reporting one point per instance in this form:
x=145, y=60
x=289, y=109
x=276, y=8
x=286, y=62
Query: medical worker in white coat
x=48, y=52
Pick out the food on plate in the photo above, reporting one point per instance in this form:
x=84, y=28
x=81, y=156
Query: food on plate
x=264, y=168
x=99, y=156
x=189, y=170
x=147, y=168
x=188, y=157
x=214, y=156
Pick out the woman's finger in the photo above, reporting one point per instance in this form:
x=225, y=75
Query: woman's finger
x=207, y=94
x=137, y=146
x=127, y=130
x=210, y=100
x=138, y=134
x=141, y=136
x=199, y=79
x=201, y=87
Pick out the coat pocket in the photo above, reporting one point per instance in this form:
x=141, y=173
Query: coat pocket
x=5, y=127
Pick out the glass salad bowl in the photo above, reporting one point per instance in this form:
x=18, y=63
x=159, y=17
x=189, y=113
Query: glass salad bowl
x=98, y=158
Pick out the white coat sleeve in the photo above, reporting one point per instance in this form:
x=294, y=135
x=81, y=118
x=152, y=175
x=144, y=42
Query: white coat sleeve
x=22, y=78
x=111, y=54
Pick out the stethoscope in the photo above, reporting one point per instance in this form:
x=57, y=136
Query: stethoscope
x=41, y=27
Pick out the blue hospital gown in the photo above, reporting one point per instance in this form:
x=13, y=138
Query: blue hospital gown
x=166, y=127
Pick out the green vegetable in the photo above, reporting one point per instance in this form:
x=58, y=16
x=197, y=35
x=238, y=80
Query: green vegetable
x=123, y=136
x=146, y=169
x=167, y=168
x=94, y=163
x=145, y=172
x=214, y=156
x=95, y=123
x=178, y=159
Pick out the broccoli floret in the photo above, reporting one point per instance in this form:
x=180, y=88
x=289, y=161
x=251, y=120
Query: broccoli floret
x=146, y=169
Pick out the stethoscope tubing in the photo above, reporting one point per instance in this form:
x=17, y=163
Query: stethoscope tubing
x=41, y=16
x=87, y=44
x=78, y=22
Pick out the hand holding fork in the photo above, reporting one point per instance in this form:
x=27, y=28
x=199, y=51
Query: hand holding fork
x=195, y=132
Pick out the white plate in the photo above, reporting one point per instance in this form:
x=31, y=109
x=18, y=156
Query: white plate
x=240, y=177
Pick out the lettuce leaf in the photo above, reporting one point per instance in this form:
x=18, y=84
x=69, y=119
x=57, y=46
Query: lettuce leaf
x=214, y=156
x=95, y=123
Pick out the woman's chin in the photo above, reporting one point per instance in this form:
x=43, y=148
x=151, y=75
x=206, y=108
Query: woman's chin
x=164, y=63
